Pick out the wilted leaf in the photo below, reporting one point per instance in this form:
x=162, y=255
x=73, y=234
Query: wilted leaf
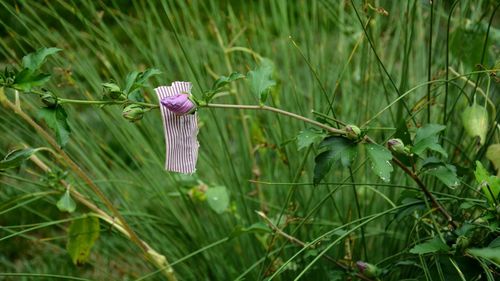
x=82, y=235
x=336, y=149
x=35, y=60
x=430, y=246
x=493, y=154
x=475, y=121
x=56, y=119
x=261, y=80
x=66, y=203
x=447, y=174
x=218, y=198
x=14, y=158
x=309, y=136
x=427, y=137
x=380, y=158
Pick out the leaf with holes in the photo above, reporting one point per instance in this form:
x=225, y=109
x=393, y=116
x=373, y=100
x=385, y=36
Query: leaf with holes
x=82, y=234
x=380, y=158
x=261, y=80
x=218, y=198
x=335, y=149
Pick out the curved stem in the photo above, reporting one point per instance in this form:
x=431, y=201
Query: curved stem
x=276, y=110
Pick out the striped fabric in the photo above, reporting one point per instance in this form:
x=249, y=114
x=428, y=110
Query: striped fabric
x=180, y=132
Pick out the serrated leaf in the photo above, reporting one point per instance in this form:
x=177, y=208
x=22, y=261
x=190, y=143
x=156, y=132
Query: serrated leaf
x=35, y=60
x=14, y=158
x=427, y=137
x=447, y=174
x=335, y=149
x=218, y=198
x=66, y=203
x=29, y=81
x=490, y=185
x=224, y=80
x=309, y=136
x=433, y=245
x=56, y=119
x=145, y=75
x=129, y=81
x=493, y=154
x=475, y=121
x=82, y=235
x=261, y=80
x=380, y=158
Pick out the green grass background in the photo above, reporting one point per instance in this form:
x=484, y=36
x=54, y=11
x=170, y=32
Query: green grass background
x=318, y=48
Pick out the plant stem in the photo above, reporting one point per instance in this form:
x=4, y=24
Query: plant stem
x=276, y=110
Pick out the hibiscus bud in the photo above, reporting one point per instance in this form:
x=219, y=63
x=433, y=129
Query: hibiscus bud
x=179, y=104
x=475, y=121
x=112, y=90
x=49, y=99
x=133, y=112
x=368, y=269
x=352, y=132
x=396, y=145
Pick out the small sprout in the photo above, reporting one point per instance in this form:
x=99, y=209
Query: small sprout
x=180, y=104
x=133, y=112
x=352, y=132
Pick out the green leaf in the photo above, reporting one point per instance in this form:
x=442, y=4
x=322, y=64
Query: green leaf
x=261, y=80
x=225, y=80
x=145, y=75
x=427, y=137
x=113, y=87
x=56, y=119
x=380, y=158
x=66, y=203
x=490, y=185
x=82, y=235
x=475, y=121
x=35, y=60
x=336, y=149
x=28, y=80
x=14, y=158
x=129, y=81
x=218, y=198
x=486, y=253
x=309, y=136
x=258, y=227
x=447, y=174
x=430, y=246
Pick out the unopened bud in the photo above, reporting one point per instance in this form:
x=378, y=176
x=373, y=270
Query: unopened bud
x=352, y=132
x=396, y=145
x=475, y=121
x=179, y=104
x=368, y=269
x=133, y=112
x=112, y=90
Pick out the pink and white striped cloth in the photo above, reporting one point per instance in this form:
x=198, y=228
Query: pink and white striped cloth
x=180, y=132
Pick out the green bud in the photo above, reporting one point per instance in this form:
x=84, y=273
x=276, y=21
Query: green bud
x=49, y=99
x=352, y=132
x=133, y=112
x=368, y=269
x=396, y=145
x=475, y=121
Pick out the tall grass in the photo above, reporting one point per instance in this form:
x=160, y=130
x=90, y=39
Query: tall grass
x=323, y=52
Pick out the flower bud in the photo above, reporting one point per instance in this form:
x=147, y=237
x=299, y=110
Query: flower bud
x=49, y=99
x=368, y=269
x=352, y=132
x=396, y=145
x=475, y=121
x=133, y=112
x=179, y=104
x=112, y=90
